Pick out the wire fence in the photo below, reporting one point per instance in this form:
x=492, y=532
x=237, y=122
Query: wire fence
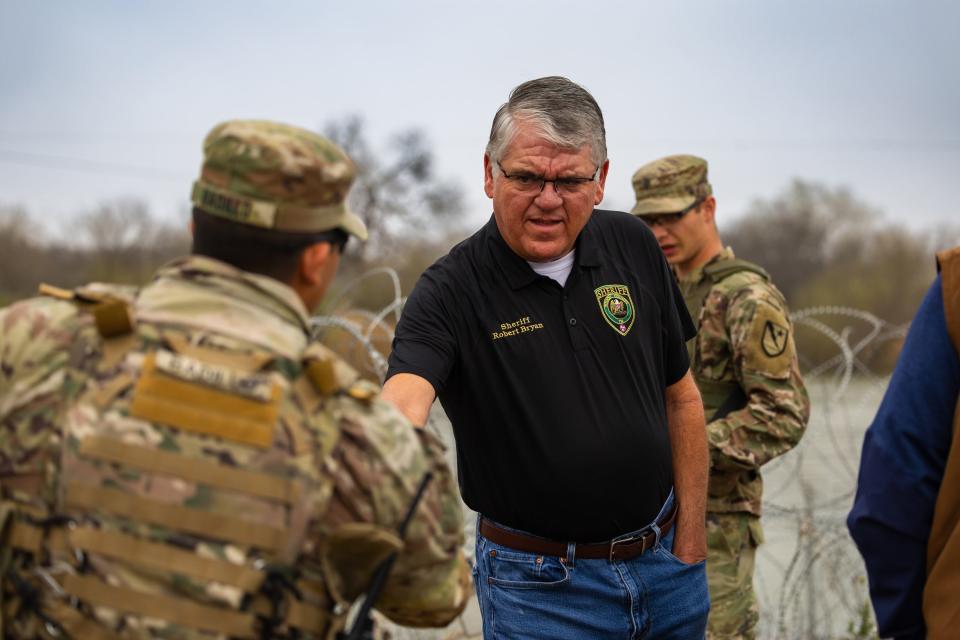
x=810, y=579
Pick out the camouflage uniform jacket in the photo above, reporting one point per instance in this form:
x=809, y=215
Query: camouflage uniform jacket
x=294, y=465
x=745, y=339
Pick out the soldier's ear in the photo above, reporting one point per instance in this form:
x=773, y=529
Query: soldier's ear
x=314, y=261
x=708, y=210
x=316, y=268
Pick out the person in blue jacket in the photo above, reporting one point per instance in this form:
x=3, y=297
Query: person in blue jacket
x=904, y=455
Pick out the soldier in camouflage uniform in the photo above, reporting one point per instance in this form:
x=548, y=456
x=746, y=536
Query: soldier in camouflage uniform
x=745, y=365
x=187, y=462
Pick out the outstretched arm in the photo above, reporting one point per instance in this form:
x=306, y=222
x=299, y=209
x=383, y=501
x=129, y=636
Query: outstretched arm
x=411, y=394
x=376, y=467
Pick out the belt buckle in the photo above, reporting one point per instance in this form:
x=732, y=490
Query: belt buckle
x=640, y=536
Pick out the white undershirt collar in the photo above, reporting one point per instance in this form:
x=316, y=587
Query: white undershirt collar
x=558, y=269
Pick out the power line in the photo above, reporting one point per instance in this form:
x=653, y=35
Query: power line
x=99, y=136
x=873, y=144
x=43, y=161
x=878, y=144
x=65, y=163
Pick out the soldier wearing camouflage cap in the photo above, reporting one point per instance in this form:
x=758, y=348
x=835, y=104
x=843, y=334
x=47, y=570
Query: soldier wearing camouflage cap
x=745, y=365
x=186, y=461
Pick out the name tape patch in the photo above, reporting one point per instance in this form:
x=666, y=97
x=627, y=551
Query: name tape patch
x=256, y=386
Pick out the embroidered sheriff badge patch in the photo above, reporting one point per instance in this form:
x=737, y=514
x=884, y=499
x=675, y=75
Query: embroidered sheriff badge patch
x=616, y=306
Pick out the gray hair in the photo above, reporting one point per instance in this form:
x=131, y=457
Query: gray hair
x=562, y=111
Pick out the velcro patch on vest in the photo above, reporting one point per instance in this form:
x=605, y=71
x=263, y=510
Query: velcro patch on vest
x=330, y=375
x=770, y=346
x=190, y=395
x=113, y=318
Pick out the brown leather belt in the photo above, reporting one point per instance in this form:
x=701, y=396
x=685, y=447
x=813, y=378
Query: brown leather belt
x=617, y=549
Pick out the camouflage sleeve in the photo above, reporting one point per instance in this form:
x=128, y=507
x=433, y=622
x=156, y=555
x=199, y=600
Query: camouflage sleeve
x=377, y=466
x=34, y=340
x=765, y=364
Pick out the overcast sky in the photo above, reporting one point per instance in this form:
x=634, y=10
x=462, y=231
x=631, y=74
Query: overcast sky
x=102, y=100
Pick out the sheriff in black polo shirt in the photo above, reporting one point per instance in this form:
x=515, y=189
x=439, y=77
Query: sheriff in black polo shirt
x=555, y=340
x=555, y=392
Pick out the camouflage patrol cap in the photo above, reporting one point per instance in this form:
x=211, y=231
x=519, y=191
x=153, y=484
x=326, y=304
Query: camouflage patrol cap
x=670, y=184
x=276, y=176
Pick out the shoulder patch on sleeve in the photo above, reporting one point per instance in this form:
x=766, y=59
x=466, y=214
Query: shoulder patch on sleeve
x=770, y=346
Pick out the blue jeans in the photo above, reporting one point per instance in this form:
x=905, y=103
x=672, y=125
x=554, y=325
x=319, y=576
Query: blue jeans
x=525, y=596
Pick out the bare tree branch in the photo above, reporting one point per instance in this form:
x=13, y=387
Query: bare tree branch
x=396, y=192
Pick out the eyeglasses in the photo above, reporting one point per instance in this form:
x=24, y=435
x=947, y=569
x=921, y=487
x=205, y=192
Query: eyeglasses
x=667, y=218
x=530, y=183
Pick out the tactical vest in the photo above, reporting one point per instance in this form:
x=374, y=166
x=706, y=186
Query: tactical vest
x=719, y=396
x=189, y=474
x=941, y=593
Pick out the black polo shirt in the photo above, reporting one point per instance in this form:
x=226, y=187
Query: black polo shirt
x=556, y=395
